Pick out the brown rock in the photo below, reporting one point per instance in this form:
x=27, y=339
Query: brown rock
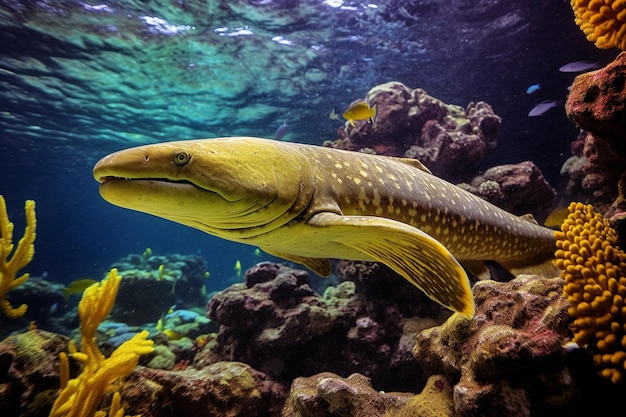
x=597, y=100
x=518, y=188
x=29, y=373
x=597, y=104
x=226, y=389
x=281, y=327
x=515, y=357
x=449, y=140
x=327, y=394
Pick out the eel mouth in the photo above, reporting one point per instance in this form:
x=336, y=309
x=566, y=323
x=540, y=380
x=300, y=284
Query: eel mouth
x=109, y=179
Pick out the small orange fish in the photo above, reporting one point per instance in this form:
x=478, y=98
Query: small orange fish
x=360, y=110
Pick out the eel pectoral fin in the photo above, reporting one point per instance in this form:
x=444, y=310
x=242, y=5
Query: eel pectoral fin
x=321, y=266
x=410, y=252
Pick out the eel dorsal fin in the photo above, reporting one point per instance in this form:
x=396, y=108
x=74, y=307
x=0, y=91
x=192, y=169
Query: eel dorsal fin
x=415, y=163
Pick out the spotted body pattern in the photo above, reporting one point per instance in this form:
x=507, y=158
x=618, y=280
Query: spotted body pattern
x=308, y=204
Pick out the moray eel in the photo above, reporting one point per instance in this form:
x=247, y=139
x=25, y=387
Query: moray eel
x=308, y=203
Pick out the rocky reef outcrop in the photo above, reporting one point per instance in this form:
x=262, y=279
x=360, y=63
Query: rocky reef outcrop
x=153, y=283
x=597, y=104
x=276, y=323
x=29, y=372
x=450, y=140
x=515, y=357
x=518, y=188
x=219, y=389
x=327, y=394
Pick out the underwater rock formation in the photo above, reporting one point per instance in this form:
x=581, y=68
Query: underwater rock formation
x=514, y=357
x=518, y=188
x=328, y=394
x=276, y=323
x=578, y=187
x=597, y=104
x=46, y=308
x=220, y=389
x=29, y=372
x=449, y=140
x=435, y=400
x=153, y=283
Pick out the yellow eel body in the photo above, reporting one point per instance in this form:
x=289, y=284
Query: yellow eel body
x=308, y=203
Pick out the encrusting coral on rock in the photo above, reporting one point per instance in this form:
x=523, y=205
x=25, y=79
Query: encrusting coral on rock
x=276, y=323
x=594, y=271
x=596, y=103
x=327, y=394
x=29, y=372
x=19, y=259
x=153, y=282
x=518, y=188
x=81, y=396
x=447, y=138
x=510, y=359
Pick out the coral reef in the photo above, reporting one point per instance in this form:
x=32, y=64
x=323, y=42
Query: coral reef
x=154, y=283
x=185, y=323
x=597, y=104
x=578, y=188
x=510, y=359
x=594, y=271
x=449, y=140
x=327, y=394
x=12, y=261
x=47, y=308
x=514, y=358
x=80, y=396
x=29, y=382
x=435, y=400
x=518, y=188
x=276, y=323
x=219, y=389
x=29, y=372
x=604, y=22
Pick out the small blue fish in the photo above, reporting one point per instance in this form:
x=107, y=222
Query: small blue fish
x=533, y=88
x=580, y=66
x=281, y=131
x=543, y=107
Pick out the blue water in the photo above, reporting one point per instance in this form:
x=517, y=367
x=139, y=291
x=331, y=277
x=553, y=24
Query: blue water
x=52, y=137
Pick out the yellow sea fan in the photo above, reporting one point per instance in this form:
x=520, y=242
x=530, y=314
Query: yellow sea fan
x=80, y=397
x=603, y=21
x=13, y=258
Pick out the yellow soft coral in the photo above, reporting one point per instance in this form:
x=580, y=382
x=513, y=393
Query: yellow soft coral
x=81, y=396
x=594, y=271
x=21, y=257
x=603, y=21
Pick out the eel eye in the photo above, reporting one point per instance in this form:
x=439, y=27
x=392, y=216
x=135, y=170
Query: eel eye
x=181, y=158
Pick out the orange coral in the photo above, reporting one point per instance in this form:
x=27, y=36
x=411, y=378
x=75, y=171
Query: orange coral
x=12, y=261
x=603, y=21
x=594, y=271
